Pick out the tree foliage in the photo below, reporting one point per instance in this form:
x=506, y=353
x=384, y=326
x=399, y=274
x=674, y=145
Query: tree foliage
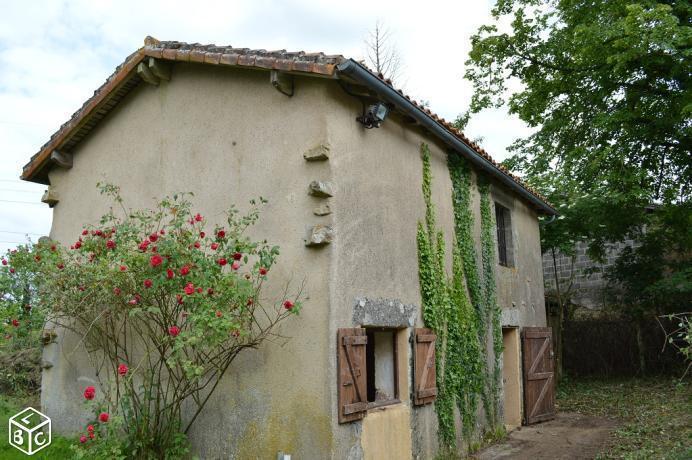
x=606, y=87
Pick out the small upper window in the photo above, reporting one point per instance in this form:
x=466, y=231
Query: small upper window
x=381, y=363
x=503, y=219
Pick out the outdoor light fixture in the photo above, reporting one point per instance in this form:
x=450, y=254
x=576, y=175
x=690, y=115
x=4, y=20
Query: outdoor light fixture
x=374, y=115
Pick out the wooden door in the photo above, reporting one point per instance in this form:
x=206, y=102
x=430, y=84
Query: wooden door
x=539, y=375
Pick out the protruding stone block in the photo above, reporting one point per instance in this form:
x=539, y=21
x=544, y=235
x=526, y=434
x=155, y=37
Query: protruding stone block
x=319, y=153
x=322, y=210
x=319, y=235
x=50, y=197
x=321, y=189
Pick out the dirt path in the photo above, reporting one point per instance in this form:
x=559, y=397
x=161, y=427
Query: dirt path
x=569, y=436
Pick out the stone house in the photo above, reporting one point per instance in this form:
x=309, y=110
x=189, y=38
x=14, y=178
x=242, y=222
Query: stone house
x=230, y=124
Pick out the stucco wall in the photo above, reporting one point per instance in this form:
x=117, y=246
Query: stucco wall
x=378, y=177
x=227, y=136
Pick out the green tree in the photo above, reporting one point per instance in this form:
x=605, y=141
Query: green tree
x=606, y=86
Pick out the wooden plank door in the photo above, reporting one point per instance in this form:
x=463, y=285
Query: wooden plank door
x=539, y=375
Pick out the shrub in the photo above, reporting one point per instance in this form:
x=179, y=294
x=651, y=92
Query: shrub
x=163, y=302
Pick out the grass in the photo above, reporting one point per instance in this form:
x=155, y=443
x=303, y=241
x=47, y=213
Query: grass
x=58, y=449
x=655, y=415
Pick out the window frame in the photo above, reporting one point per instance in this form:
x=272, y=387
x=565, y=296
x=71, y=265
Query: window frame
x=504, y=235
x=370, y=366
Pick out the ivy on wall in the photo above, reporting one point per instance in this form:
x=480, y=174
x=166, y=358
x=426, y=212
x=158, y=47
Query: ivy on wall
x=459, y=309
x=492, y=310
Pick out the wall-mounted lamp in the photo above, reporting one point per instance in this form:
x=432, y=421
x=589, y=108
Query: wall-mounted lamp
x=374, y=115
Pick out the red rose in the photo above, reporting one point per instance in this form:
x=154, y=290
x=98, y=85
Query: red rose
x=122, y=370
x=154, y=248
x=98, y=233
x=214, y=246
x=110, y=244
x=153, y=237
x=185, y=270
x=78, y=245
x=116, y=291
x=237, y=256
x=235, y=265
x=82, y=439
x=103, y=417
x=262, y=271
x=179, y=299
x=170, y=273
x=222, y=261
x=221, y=234
x=15, y=323
x=11, y=269
x=61, y=266
x=4, y=262
x=288, y=304
x=156, y=260
x=144, y=245
x=173, y=331
x=199, y=290
x=89, y=393
x=123, y=268
x=198, y=217
x=85, y=232
x=219, y=314
x=210, y=291
x=148, y=283
x=92, y=435
x=189, y=289
x=162, y=232
x=202, y=234
x=133, y=301
x=90, y=428
x=197, y=245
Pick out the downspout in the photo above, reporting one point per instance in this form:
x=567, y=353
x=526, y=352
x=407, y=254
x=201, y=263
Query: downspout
x=357, y=72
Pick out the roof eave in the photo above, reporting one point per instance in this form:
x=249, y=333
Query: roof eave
x=357, y=72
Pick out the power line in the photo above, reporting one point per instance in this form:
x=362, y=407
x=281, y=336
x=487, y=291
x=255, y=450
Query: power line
x=22, y=202
x=19, y=191
x=20, y=233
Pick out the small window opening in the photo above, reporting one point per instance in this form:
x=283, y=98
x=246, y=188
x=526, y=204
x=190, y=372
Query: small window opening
x=503, y=219
x=381, y=363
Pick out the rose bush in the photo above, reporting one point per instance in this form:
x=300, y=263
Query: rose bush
x=161, y=313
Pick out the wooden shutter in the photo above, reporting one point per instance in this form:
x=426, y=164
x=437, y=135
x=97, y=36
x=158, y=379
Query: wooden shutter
x=351, y=375
x=424, y=383
x=539, y=382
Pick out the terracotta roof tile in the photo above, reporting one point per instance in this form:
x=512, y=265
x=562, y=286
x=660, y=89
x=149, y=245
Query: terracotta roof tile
x=297, y=61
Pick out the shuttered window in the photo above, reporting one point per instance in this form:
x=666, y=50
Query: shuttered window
x=352, y=374
x=424, y=382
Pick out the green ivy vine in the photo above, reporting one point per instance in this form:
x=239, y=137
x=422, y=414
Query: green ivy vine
x=459, y=309
x=492, y=310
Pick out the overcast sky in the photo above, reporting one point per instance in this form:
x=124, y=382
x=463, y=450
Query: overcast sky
x=54, y=54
